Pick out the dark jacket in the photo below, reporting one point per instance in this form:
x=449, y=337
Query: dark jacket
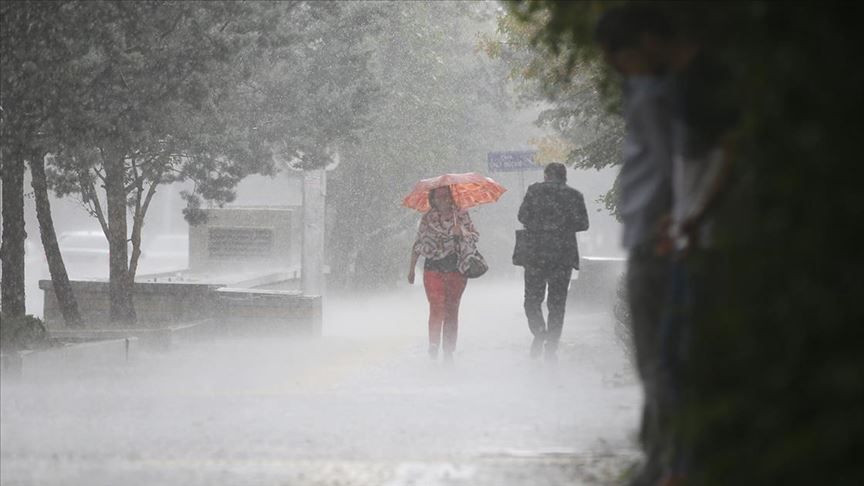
x=552, y=213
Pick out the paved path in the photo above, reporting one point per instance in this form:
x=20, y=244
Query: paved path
x=362, y=406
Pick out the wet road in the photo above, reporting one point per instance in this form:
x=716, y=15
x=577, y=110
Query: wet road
x=363, y=405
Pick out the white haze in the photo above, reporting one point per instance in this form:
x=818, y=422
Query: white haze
x=361, y=405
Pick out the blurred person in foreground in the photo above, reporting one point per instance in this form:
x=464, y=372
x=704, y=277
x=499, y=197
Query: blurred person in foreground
x=691, y=131
x=445, y=238
x=705, y=115
x=551, y=213
x=631, y=38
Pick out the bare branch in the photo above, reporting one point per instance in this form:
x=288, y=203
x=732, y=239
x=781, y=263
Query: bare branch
x=99, y=174
x=150, y=193
x=137, y=180
x=92, y=199
x=138, y=223
x=134, y=167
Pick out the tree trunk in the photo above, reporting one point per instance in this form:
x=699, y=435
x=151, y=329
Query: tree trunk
x=59, y=278
x=138, y=224
x=120, y=285
x=12, y=247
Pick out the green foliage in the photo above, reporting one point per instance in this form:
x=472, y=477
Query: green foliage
x=312, y=95
x=438, y=103
x=22, y=332
x=128, y=96
x=571, y=78
x=200, y=91
x=776, y=397
x=207, y=92
x=157, y=83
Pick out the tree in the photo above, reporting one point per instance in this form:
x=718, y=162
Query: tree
x=12, y=249
x=148, y=100
x=134, y=95
x=311, y=96
x=122, y=93
x=440, y=105
x=29, y=85
x=21, y=117
x=59, y=278
x=586, y=126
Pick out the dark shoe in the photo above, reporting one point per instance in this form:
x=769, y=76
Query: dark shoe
x=536, y=347
x=433, y=351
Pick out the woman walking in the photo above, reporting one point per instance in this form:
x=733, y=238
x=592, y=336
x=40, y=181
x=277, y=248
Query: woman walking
x=445, y=238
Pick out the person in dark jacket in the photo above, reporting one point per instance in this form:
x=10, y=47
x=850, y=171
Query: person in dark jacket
x=551, y=213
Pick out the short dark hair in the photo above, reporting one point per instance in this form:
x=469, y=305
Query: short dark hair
x=623, y=27
x=557, y=171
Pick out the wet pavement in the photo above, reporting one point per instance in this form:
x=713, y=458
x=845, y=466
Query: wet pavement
x=363, y=405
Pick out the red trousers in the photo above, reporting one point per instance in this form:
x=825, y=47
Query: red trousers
x=444, y=291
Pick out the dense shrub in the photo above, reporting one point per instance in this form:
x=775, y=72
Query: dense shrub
x=27, y=332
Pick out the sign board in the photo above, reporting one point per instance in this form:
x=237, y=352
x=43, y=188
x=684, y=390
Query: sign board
x=513, y=161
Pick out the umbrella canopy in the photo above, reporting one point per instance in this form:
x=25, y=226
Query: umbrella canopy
x=469, y=189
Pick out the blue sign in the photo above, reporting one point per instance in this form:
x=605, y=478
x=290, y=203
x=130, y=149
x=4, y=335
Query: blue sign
x=516, y=161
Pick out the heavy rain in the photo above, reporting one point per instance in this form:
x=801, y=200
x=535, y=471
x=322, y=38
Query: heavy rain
x=526, y=242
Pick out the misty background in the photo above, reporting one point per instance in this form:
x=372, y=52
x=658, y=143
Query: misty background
x=433, y=100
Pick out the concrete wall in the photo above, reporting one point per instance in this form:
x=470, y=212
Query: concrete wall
x=161, y=305
x=255, y=309
x=156, y=304
x=284, y=225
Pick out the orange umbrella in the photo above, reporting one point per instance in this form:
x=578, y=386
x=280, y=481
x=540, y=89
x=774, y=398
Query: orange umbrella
x=468, y=189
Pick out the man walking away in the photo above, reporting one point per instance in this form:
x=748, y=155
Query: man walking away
x=551, y=213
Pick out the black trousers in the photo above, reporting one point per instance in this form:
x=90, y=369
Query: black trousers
x=647, y=287
x=537, y=280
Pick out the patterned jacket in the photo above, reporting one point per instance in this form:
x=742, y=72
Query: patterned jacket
x=441, y=234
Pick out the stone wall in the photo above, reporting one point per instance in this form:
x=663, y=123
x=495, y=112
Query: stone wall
x=161, y=305
x=254, y=237
x=257, y=309
x=156, y=304
x=242, y=263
